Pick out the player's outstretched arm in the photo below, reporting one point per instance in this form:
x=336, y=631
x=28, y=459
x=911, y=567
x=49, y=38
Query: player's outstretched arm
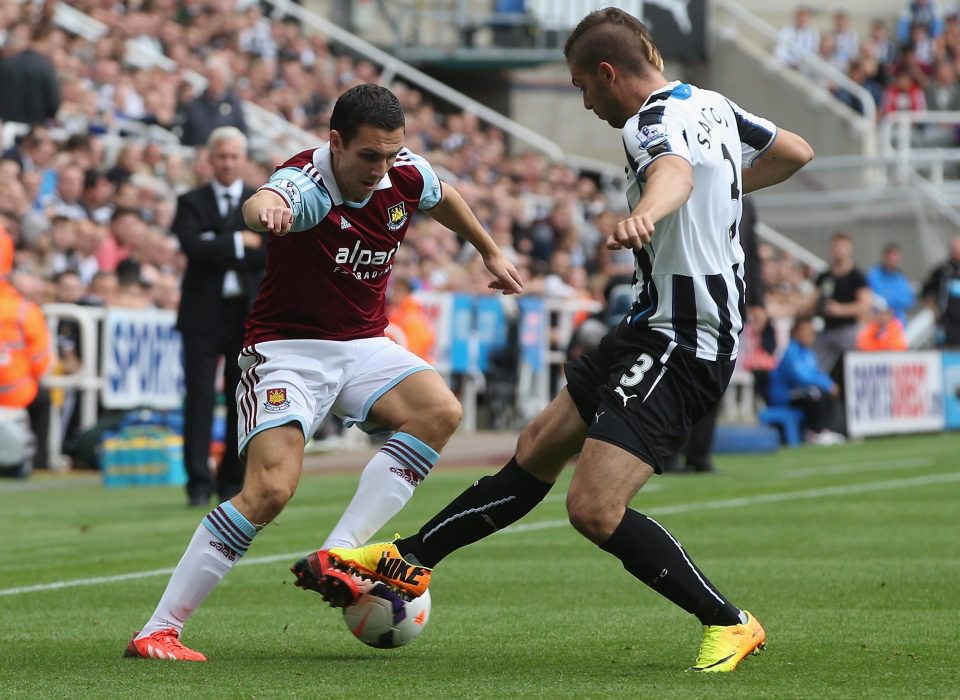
x=788, y=153
x=453, y=212
x=267, y=211
x=668, y=184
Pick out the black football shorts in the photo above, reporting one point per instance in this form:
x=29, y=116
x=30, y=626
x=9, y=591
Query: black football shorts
x=642, y=392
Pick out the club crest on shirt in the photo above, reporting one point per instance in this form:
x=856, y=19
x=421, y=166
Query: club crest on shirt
x=651, y=134
x=277, y=399
x=396, y=216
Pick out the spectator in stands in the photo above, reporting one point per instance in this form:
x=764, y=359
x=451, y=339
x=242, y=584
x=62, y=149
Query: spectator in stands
x=859, y=73
x=103, y=289
x=133, y=290
x=827, y=51
x=798, y=40
x=28, y=80
x=26, y=354
x=62, y=254
x=903, y=95
x=845, y=38
x=97, y=193
x=948, y=43
x=35, y=151
x=941, y=292
x=66, y=199
x=881, y=48
x=166, y=291
x=798, y=380
x=89, y=236
x=922, y=47
x=225, y=265
x=883, y=331
x=844, y=298
x=129, y=161
x=127, y=231
x=888, y=282
x=942, y=93
x=923, y=12
x=256, y=38
x=217, y=106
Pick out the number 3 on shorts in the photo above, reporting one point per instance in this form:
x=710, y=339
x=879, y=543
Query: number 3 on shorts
x=635, y=376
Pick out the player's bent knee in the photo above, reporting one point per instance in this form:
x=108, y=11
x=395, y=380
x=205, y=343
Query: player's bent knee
x=594, y=521
x=265, y=500
x=444, y=416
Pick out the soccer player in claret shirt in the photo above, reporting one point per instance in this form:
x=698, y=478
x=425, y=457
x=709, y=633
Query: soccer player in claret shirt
x=314, y=344
x=629, y=405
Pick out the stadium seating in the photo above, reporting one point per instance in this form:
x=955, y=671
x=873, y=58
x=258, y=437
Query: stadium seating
x=788, y=420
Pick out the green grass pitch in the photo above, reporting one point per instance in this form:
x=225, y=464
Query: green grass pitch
x=850, y=556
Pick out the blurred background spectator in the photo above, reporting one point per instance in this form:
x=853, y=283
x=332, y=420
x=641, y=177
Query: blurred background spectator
x=843, y=300
x=28, y=80
x=887, y=281
x=799, y=381
x=941, y=292
x=882, y=331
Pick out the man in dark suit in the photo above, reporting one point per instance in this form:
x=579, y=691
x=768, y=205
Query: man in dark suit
x=25, y=72
x=224, y=269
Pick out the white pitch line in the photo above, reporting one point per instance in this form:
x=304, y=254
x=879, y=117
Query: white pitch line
x=852, y=467
x=549, y=524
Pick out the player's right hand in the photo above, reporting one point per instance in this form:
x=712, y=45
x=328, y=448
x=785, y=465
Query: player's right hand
x=277, y=220
x=633, y=232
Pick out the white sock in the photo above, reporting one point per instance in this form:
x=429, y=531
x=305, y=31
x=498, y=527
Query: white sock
x=218, y=543
x=386, y=484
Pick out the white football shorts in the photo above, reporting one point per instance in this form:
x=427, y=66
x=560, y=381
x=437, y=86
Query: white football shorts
x=303, y=380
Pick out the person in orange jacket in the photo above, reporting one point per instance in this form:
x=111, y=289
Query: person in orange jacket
x=24, y=338
x=406, y=313
x=883, y=331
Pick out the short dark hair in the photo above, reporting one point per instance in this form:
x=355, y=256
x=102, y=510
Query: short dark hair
x=615, y=37
x=125, y=211
x=366, y=105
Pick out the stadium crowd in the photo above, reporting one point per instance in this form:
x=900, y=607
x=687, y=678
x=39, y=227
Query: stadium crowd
x=88, y=196
x=913, y=65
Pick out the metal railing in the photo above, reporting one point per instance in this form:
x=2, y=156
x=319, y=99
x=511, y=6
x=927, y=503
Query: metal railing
x=76, y=22
x=86, y=380
x=811, y=64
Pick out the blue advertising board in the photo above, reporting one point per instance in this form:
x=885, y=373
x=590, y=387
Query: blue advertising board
x=951, y=389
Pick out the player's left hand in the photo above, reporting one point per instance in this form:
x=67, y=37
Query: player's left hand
x=508, y=279
x=633, y=232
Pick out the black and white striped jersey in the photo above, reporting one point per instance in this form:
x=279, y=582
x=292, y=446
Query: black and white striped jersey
x=689, y=279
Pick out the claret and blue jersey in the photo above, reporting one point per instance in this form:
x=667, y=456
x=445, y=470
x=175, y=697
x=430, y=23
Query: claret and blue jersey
x=327, y=278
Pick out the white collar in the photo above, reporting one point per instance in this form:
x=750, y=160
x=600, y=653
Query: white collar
x=234, y=189
x=323, y=162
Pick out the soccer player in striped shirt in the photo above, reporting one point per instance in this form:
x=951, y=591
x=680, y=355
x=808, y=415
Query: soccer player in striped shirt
x=628, y=406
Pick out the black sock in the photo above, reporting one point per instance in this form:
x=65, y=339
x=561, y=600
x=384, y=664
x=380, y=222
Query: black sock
x=491, y=504
x=652, y=554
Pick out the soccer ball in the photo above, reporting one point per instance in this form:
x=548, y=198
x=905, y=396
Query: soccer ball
x=382, y=619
